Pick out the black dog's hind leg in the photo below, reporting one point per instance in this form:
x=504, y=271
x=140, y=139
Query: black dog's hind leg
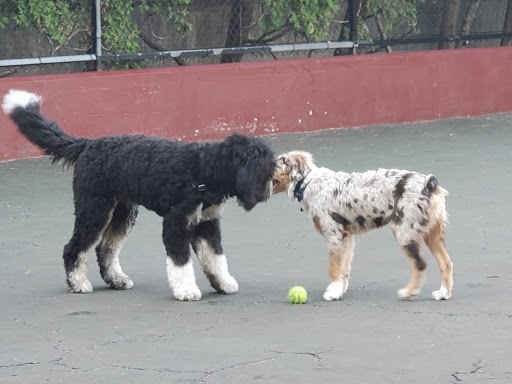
x=110, y=245
x=92, y=216
x=180, y=271
x=206, y=242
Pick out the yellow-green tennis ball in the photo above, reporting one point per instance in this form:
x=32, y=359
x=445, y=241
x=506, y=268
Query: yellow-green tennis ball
x=297, y=295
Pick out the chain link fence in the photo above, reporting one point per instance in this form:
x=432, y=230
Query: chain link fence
x=62, y=36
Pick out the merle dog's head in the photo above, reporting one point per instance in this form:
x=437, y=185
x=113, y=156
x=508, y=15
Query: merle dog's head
x=252, y=163
x=291, y=167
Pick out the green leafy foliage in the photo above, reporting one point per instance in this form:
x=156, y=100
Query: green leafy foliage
x=309, y=18
x=54, y=19
x=60, y=20
x=4, y=19
x=175, y=11
x=119, y=33
x=396, y=15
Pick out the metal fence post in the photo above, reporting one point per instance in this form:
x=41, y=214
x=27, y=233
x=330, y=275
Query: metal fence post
x=97, y=29
x=353, y=24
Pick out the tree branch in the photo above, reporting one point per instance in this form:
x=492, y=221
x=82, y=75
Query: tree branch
x=380, y=27
x=344, y=25
x=156, y=45
x=9, y=72
x=262, y=40
x=73, y=34
x=507, y=25
x=448, y=23
x=468, y=21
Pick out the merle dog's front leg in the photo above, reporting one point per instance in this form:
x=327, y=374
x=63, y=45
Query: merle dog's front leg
x=180, y=272
x=206, y=241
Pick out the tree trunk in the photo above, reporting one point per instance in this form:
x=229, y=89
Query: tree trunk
x=380, y=27
x=507, y=26
x=241, y=16
x=449, y=23
x=468, y=20
x=345, y=26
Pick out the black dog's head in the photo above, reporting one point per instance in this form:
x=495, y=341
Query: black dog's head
x=253, y=165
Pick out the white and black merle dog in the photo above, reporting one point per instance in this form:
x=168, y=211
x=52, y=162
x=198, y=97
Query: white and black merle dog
x=342, y=205
x=185, y=183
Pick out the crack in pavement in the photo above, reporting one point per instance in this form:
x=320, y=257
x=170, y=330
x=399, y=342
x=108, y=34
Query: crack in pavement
x=20, y=364
x=207, y=374
x=370, y=284
x=315, y=355
x=476, y=368
x=160, y=370
x=58, y=361
x=135, y=339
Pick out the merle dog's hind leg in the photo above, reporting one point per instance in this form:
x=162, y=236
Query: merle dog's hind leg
x=92, y=215
x=109, y=247
x=410, y=241
x=180, y=271
x=206, y=242
x=435, y=242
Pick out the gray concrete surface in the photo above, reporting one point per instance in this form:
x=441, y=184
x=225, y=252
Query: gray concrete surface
x=256, y=336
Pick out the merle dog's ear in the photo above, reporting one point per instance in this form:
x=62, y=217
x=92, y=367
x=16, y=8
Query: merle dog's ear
x=296, y=164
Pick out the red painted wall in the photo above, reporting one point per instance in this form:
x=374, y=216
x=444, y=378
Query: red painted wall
x=206, y=102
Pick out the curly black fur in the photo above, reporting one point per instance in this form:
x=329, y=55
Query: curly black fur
x=115, y=174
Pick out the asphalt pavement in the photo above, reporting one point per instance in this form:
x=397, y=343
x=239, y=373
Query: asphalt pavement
x=49, y=335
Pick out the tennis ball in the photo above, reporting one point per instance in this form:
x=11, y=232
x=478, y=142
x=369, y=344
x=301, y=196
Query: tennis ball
x=297, y=295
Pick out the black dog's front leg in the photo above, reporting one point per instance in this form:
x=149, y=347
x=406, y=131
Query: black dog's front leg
x=180, y=272
x=206, y=241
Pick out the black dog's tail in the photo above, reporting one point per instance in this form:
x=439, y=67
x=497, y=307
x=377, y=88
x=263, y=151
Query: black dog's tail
x=23, y=108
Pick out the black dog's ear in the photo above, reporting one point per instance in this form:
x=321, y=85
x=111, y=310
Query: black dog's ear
x=239, y=159
x=242, y=156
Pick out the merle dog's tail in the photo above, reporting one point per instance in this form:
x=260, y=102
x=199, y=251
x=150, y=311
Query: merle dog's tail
x=23, y=109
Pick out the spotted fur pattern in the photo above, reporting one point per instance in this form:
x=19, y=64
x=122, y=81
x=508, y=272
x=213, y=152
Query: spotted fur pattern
x=342, y=205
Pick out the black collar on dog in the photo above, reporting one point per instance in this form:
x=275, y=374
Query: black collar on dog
x=298, y=192
x=200, y=187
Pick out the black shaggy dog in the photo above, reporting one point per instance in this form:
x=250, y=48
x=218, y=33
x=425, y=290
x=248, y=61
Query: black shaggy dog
x=185, y=183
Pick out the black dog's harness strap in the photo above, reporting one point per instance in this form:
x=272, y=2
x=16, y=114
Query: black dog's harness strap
x=298, y=192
